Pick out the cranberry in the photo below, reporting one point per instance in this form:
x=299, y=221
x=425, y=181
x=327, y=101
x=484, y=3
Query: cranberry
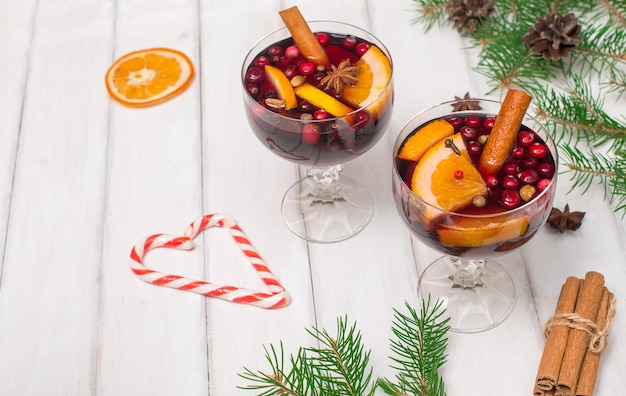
x=474, y=148
x=317, y=77
x=455, y=121
x=255, y=75
x=468, y=132
x=495, y=195
x=291, y=71
x=542, y=184
x=529, y=163
x=348, y=42
x=261, y=61
x=545, y=169
x=311, y=133
x=275, y=50
x=306, y=68
x=537, y=150
x=525, y=138
x=284, y=62
x=509, y=168
x=361, y=48
x=361, y=119
x=252, y=89
x=510, y=182
x=510, y=199
x=488, y=123
x=305, y=107
x=292, y=52
x=528, y=176
x=269, y=94
x=518, y=152
x=323, y=39
x=320, y=115
x=473, y=121
x=458, y=174
x=491, y=181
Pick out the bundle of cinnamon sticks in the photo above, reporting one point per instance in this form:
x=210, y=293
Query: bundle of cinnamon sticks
x=575, y=338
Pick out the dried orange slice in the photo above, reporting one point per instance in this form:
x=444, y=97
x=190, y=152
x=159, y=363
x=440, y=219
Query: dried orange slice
x=321, y=99
x=283, y=87
x=149, y=76
x=374, y=76
x=481, y=231
x=415, y=147
x=436, y=177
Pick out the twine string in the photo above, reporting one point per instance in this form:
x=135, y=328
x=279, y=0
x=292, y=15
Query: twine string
x=597, y=336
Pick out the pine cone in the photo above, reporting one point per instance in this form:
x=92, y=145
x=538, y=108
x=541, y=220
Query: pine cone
x=553, y=36
x=468, y=15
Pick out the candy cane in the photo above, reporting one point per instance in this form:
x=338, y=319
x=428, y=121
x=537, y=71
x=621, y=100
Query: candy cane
x=277, y=298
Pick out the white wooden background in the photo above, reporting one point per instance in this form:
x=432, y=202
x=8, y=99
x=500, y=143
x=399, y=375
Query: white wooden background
x=82, y=179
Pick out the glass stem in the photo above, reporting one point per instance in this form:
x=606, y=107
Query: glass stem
x=468, y=274
x=325, y=190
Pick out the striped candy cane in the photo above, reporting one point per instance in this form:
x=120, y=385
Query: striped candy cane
x=277, y=298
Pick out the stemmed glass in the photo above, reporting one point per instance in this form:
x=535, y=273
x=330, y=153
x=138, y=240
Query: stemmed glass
x=477, y=291
x=324, y=206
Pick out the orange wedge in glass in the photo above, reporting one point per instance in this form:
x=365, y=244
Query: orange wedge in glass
x=283, y=87
x=321, y=99
x=436, y=178
x=149, y=76
x=417, y=145
x=374, y=76
x=481, y=231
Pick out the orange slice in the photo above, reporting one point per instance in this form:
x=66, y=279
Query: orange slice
x=415, y=147
x=321, y=99
x=283, y=87
x=435, y=178
x=374, y=76
x=149, y=76
x=480, y=231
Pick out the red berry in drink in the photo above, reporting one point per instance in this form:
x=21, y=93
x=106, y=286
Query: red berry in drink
x=473, y=121
x=320, y=115
x=491, y=181
x=348, y=42
x=468, y=132
x=305, y=106
x=361, y=119
x=261, y=61
x=275, y=51
x=510, y=182
x=525, y=138
x=509, y=168
x=311, y=133
x=518, y=152
x=317, y=77
x=528, y=176
x=253, y=89
x=545, y=169
x=283, y=63
x=474, y=148
x=529, y=163
x=323, y=39
x=488, y=123
x=542, y=184
x=255, y=75
x=456, y=122
x=292, y=52
x=306, y=68
x=291, y=71
x=537, y=150
x=361, y=48
x=510, y=199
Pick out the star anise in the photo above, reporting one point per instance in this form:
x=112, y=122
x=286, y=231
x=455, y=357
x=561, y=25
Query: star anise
x=465, y=104
x=343, y=74
x=565, y=220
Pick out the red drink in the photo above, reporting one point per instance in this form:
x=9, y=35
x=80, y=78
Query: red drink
x=328, y=124
x=502, y=216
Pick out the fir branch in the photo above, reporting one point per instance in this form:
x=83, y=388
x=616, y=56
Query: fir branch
x=616, y=10
x=419, y=348
x=431, y=12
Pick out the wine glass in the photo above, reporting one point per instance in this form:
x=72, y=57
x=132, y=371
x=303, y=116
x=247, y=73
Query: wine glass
x=477, y=291
x=325, y=206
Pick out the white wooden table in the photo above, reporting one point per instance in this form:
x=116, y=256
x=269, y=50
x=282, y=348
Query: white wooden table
x=82, y=179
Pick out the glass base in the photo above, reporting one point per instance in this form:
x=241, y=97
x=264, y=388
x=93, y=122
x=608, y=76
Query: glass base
x=478, y=295
x=327, y=212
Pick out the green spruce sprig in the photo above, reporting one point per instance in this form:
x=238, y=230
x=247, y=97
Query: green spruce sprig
x=570, y=94
x=339, y=364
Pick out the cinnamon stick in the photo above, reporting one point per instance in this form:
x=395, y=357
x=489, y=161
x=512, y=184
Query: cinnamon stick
x=303, y=37
x=554, y=349
x=578, y=340
x=589, y=369
x=504, y=133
